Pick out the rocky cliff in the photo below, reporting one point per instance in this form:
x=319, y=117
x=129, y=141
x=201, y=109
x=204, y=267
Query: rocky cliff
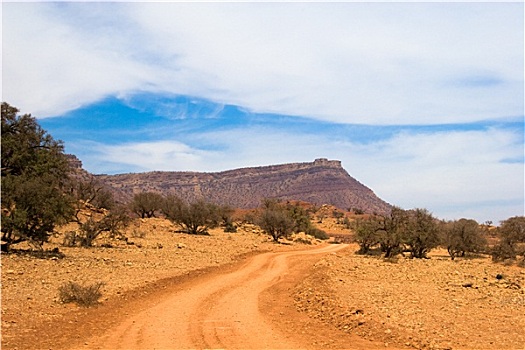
x=320, y=182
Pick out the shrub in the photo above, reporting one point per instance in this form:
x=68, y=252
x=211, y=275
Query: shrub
x=317, y=233
x=275, y=222
x=512, y=230
x=81, y=294
x=279, y=220
x=463, y=236
x=421, y=233
x=92, y=192
x=366, y=234
x=112, y=222
x=229, y=227
x=145, y=204
x=512, y=233
x=298, y=215
x=195, y=218
x=390, y=231
x=226, y=215
x=503, y=251
x=358, y=211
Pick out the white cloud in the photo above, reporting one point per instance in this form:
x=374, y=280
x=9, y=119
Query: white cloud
x=452, y=173
x=376, y=63
x=50, y=67
x=162, y=155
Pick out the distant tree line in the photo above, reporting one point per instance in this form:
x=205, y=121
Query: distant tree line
x=417, y=232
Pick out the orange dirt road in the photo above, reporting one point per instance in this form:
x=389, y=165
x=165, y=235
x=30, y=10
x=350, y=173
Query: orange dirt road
x=229, y=310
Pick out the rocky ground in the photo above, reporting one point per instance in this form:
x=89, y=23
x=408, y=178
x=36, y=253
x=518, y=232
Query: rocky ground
x=436, y=303
x=152, y=252
x=424, y=304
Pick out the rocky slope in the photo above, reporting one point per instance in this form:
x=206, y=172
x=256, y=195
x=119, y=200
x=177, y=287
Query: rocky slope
x=320, y=182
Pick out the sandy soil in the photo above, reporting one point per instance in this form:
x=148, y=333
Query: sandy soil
x=153, y=253
x=424, y=304
x=220, y=310
x=335, y=300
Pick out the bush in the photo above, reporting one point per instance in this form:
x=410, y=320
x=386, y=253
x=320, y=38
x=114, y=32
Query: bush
x=503, y=251
x=145, y=204
x=195, y=218
x=415, y=231
x=390, y=231
x=366, y=234
x=83, y=295
x=421, y=233
x=512, y=234
x=229, y=227
x=463, y=236
x=317, y=233
x=298, y=215
x=275, y=222
x=112, y=223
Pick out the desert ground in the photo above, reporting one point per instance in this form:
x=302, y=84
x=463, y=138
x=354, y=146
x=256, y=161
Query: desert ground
x=240, y=290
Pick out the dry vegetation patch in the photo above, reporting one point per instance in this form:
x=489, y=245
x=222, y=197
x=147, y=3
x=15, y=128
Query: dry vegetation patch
x=435, y=303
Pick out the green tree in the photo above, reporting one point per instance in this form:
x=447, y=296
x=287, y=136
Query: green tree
x=366, y=234
x=34, y=176
x=276, y=222
x=195, y=218
x=391, y=228
x=512, y=233
x=463, y=236
x=145, y=204
x=299, y=216
x=421, y=233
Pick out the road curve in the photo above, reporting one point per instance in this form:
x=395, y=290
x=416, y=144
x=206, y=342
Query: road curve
x=218, y=312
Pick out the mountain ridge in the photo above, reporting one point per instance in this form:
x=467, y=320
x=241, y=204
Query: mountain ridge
x=319, y=182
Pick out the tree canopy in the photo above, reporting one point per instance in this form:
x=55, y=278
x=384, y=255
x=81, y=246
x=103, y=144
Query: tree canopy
x=195, y=218
x=34, y=176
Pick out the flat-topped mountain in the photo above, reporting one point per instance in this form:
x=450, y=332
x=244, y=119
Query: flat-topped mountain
x=320, y=182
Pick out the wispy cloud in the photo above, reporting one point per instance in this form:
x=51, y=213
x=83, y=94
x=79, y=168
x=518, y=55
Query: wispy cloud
x=376, y=63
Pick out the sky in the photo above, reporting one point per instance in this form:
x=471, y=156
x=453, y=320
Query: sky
x=423, y=102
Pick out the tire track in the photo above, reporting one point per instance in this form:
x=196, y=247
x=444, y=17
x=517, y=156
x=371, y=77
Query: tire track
x=218, y=311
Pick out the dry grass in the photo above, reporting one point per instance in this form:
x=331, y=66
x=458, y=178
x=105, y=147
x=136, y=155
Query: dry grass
x=82, y=294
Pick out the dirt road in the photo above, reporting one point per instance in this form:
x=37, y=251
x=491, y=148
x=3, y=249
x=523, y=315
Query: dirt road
x=222, y=310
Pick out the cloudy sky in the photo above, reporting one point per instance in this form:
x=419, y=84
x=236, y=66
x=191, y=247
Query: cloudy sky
x=422, y=102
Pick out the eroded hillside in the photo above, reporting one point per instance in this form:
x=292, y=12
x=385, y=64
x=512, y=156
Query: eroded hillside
x=320, y=182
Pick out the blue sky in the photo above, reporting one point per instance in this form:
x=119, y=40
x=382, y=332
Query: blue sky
x=422, y=102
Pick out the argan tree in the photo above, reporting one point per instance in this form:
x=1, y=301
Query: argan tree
x=274, y=218
x=34, y=177
x=463, y=236
x=421, y=233
x=145, y=204
x=104, y=215
x=276, y=222
x=391, y=228
x=366, y=234
x=512, y=234
x=195, y=218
